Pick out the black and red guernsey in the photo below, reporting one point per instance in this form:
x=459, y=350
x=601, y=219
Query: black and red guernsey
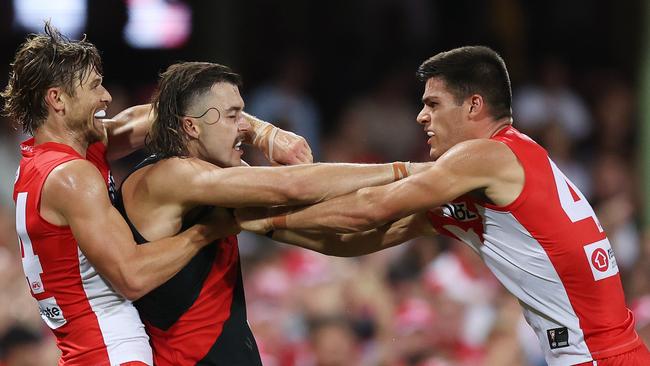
x=198, y=317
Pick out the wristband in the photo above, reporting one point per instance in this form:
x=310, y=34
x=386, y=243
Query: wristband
x=271, y=143
x=279, y=222
x=399, y=171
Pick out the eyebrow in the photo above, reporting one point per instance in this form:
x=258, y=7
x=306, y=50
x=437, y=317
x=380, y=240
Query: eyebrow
x=429, y=99
x=234, y=109
x=96, y=81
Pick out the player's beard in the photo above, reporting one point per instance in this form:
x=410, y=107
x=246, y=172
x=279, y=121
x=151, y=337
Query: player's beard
x=93, y=133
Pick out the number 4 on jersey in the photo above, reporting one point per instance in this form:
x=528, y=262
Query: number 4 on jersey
x=31, y=263
x=573, y=202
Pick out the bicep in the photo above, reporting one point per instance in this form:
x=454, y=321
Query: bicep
x=459, y=171
x=81, y=197
x=233, y=187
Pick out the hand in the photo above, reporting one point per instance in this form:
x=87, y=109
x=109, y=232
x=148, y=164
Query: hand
x=254, y=219
x=220, y=223
x=289, y=149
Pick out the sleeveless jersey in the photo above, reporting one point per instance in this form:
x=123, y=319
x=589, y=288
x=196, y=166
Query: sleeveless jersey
x=198, y=317
x=93, y=324
x=549, y=250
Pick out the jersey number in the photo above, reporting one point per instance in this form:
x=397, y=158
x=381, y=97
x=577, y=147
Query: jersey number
x=31, y=263
x=573, y=202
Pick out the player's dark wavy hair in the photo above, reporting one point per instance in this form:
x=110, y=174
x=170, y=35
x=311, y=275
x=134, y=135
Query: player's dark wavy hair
x=472, y=70
x=179, y=87
x=44, y=61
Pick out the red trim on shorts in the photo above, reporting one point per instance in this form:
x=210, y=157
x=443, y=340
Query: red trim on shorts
x=636, y=357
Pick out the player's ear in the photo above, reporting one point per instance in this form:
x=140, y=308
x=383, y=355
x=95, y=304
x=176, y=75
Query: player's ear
x=191, y=127
x=475, y=105
x=56, y=98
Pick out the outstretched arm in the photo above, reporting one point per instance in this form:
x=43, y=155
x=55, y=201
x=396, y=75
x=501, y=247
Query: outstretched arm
x=484, y=165
x=207, y=184
x=356, y=244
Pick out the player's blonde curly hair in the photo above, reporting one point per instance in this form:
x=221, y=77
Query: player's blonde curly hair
x=44, y=61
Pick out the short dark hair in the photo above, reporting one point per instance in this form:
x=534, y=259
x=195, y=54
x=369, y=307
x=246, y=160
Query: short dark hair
x=44, y=61
x=179, y=87
x=472, y=70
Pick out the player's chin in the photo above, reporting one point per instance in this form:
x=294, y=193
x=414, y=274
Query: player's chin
x=94, y=136
x=236, y=161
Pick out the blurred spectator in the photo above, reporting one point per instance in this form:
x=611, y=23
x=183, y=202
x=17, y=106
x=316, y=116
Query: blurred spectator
x=535, y=106
x=9, y=159
x=615, y=118
x=284, y=101
x=562, y=149
x=333, y=342
x=614, y=204
x=384, y=120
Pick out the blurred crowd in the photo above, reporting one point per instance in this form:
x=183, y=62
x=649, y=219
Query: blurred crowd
x=429, y=302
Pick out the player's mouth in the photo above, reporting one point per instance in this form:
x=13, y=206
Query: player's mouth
x=430, y=134
x=238, y=148
x=97, y=118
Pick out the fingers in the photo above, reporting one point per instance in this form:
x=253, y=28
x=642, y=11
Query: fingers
x=291, y=149
x=253, y=219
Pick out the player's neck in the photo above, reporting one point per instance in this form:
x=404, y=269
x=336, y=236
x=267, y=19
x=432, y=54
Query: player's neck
x=499, y=125
x=59, y=133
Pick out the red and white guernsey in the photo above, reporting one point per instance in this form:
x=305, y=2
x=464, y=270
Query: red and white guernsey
x=549, y=250
x=93, y=324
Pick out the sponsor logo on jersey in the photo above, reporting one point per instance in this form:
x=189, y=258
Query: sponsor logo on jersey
x=458, y=211
x=558, y=337
x=51, y=313
x=601, y=259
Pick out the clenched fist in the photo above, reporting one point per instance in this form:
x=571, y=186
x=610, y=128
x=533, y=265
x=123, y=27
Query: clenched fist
x=287, y=148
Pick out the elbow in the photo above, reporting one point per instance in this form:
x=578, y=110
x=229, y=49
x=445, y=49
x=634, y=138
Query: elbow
x=130, y=286
x=371, y=212
x=295, y=193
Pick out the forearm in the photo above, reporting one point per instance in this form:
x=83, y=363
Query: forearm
x=128, y=129
x=352, y=244
x=150, y=265
x=362, y=210
x=327, y=181
x=351, y=213
x=291, y=185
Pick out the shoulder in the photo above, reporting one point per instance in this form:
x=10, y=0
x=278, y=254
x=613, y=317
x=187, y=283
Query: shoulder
x=73, y=189
x=77, y=175
x=173, y=178
x=478, y=156
x=181, y=167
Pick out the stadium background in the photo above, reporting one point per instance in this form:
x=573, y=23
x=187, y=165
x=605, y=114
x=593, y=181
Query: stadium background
x=341, y=73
